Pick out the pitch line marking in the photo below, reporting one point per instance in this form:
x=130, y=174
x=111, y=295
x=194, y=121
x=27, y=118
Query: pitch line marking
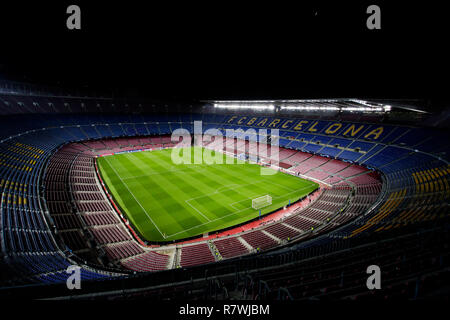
x=199, y=225
x=157, y=173
x=187, y=201
x=287, y=188
x=232, y=204
x=228, y=188
x=225, y=187
x=136, y=199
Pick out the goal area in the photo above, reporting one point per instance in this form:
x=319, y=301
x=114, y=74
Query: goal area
x=261, y=202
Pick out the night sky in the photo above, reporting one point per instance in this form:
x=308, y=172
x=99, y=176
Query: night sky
x=224, y=49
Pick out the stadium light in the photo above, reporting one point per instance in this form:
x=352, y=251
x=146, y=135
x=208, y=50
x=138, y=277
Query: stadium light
x=310, y=108
x=334, y=108
x=365, y=109
x=244, y=106
x=345, y=105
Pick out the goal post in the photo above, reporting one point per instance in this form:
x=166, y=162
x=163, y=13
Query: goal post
x=261, y=202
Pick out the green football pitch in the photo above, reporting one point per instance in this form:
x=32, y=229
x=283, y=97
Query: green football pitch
x=166, y=201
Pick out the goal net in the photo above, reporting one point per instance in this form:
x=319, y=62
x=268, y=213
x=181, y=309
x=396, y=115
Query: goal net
x=261, y=202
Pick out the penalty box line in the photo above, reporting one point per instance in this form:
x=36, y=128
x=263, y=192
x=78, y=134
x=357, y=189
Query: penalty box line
x=276, y=197
x=229, y=187
x=235, y=212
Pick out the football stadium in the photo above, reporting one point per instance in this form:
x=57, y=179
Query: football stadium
x=253, y=157
x=253, y=193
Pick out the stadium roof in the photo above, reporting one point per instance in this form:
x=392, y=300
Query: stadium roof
x=332, y=104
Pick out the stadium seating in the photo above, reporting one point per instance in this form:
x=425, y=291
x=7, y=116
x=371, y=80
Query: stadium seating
x=55, y=212
x=196, y=254
x=230, y=247
x=148, y=261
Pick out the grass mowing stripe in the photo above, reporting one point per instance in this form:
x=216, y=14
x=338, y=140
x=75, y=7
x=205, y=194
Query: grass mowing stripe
x=135, y=198
x=197, y=183
x=193, y=184
x=165, y=189
x=238, y=211
x=175, y=198
x=179, y=190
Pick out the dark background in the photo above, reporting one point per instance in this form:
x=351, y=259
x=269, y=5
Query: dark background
x=227, y=49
